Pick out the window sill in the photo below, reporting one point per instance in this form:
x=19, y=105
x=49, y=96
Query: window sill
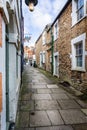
x=79, y=20
x=78, y=69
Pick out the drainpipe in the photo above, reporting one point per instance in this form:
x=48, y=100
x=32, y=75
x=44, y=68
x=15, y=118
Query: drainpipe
x=52, y=51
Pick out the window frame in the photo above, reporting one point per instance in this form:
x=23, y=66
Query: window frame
x=79, y=10
x=44, y=38
x=56, y=30
x=75, y=20
x=74, y=42
x=78, y=55
x=44, y=56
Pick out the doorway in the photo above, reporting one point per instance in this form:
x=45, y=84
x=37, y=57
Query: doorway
x=56, y=64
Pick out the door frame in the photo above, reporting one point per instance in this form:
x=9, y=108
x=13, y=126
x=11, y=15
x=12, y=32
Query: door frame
x=54, y=71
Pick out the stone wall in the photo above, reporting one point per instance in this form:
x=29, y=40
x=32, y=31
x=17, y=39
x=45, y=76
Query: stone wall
x=63, y=46
x=64, y=43
x=38, y=49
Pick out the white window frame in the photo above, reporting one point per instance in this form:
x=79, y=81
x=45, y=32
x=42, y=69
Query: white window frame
x=75, y=41
x=44, y=38
x=44, y=56
x=74, y=12
x=56, y=30
x=54, y=69
x=41, y=59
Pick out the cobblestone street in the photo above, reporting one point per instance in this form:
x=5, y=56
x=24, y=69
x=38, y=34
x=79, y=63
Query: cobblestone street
x=44, y=105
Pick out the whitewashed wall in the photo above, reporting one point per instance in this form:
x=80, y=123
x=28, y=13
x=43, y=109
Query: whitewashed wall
x=12, y=81
x=14, y=63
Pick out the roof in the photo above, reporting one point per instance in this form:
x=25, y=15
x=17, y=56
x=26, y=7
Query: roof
x=65, y=6
x=48, y=26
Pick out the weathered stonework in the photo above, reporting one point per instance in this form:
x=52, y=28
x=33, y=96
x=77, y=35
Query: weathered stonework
x=62, y=45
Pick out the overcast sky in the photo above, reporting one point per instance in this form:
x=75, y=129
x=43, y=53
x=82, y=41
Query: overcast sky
x=44, y=13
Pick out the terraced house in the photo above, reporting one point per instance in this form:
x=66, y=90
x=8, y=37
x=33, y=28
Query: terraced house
x=67, y=53
x=9, y=61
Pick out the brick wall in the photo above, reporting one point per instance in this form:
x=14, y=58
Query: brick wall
x=48, y=50
x=38, y=49
x=77, y=30
x=63, y=46
x=64, y=43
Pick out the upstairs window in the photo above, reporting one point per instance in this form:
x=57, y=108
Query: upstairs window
x=80, y=9
x=43, y=57
x=44, y=38
x=79, y=54
x=56, y=30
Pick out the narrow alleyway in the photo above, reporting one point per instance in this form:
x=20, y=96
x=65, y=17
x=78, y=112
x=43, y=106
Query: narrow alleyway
x=45, y=106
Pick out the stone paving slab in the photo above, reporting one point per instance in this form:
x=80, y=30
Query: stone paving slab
x=59, y=96
x=35, y=81
x=50, y=108
x=55, y=117
x=68, y=104
x=82, y=103
x=52, y=86
x=24, y=128
x=46, y=105
x=27, y=105
x=71, y=96
x=73, y=116
x=22, y=119
x=39, y=119
x=58, y=90
x=84, y=111
x=41, y=96
x=80, y=127
x=39, y=86
x=26, y=96
x=43, y=83
x=56, y=128
x=44, y=91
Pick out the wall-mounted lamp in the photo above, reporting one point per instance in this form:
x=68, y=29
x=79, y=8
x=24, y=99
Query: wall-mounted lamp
x=31, y=4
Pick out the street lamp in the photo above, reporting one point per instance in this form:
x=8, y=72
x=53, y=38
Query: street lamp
x=31, y=4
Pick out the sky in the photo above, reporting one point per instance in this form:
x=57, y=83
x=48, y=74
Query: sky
x=44, y=13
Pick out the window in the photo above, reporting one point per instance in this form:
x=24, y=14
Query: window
x=56, y=30
x=43, y=38
x=80, y=9
x=78, y=53
x=43, y=57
